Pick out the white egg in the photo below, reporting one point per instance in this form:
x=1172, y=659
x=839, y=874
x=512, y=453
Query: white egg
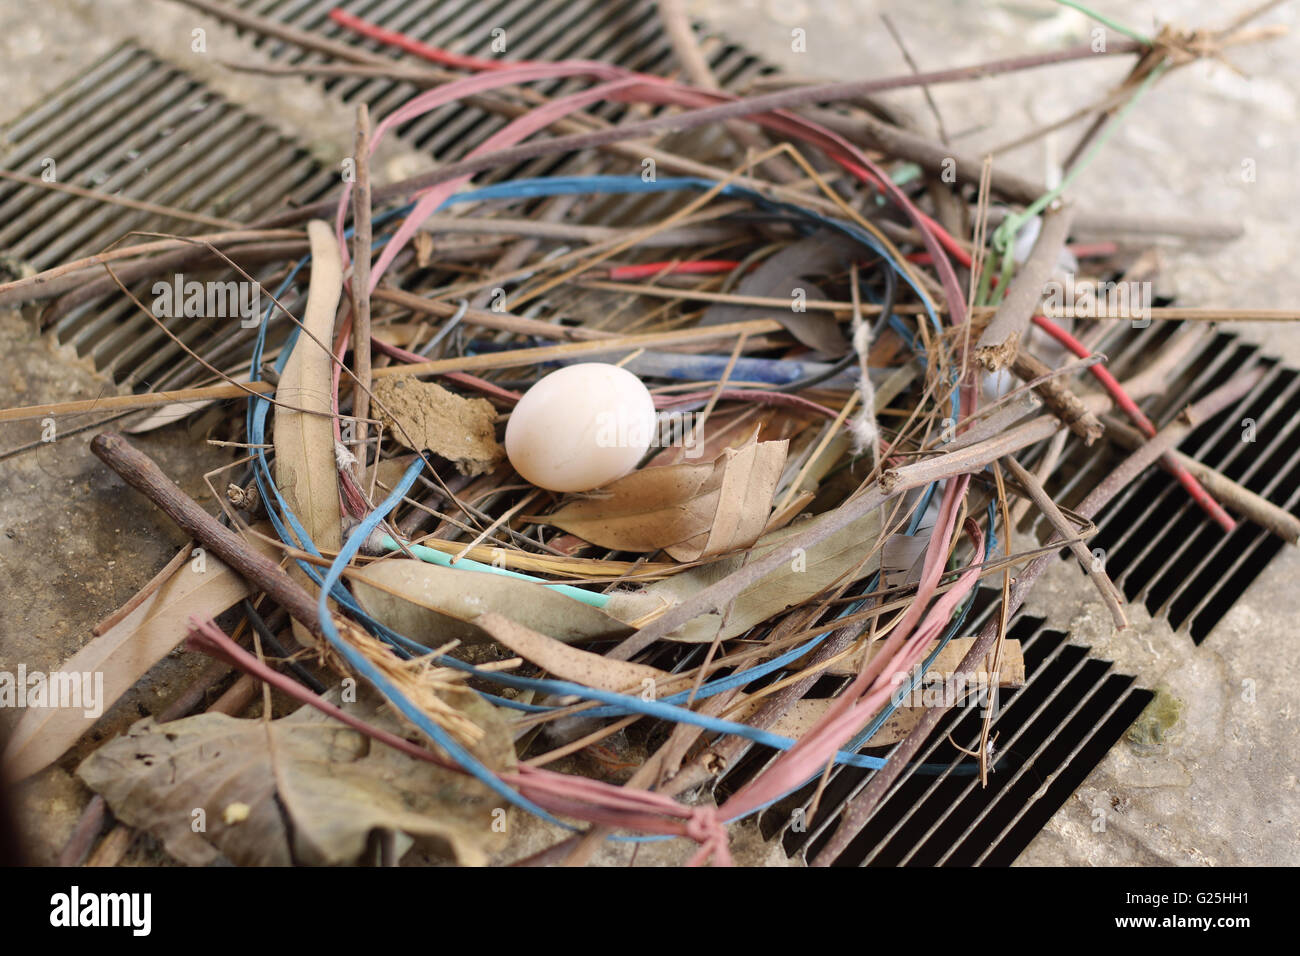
x=581, y=427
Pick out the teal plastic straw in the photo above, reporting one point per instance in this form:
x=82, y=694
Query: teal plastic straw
x=594, y=598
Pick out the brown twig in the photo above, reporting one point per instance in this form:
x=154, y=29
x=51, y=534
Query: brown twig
x=169, y=212
x=488, y=319
x=59, y=279
x=1110, y=595
x=676, y=23
x=140, y=472
x=1059, y=398
x=133, y=401
x=360, y=284
x=181, y=259
x=912, y=65
x=672, y=14
x=934, y=157
x=704, y=233
x=1000, y=341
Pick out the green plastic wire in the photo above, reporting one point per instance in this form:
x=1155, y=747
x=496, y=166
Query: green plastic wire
x=594, y=598
x=1107, y=22
x=1005, y=233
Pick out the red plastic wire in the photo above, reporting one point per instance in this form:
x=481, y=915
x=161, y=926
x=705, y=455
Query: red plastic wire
x=626, y=85
x=1144, y=424
x=869, y=691
x=694, y=267
x=456, y=61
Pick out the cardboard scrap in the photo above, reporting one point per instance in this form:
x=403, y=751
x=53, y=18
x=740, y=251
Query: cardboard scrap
x=462, y=430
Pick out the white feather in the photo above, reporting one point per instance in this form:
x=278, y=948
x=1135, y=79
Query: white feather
x=862, y=426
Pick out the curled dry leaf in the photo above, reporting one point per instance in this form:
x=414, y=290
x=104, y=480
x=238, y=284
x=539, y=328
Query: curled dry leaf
x=434, y=605
x=312, y=788
x=569, y=663
x=690, y=510
x=462, y=430
x=305, y=465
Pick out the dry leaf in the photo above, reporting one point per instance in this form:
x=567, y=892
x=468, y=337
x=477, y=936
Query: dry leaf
x=166, y=415
x=902, y=557
x=731, y=427
x=897, y=726
x=385, y=473
x=433, y=605
x=690, y=510
x=123, y=654
x=647, y=510
x=749, y=478
x=313, y=788
x=569, y=663
x=791, y=511
x=843, y=556
x=305, y=465
x=462, y=430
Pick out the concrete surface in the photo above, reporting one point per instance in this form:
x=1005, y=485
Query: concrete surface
x=1219, y=789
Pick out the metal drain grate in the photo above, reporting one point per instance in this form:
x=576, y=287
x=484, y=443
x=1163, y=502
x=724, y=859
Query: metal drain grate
x=1052, y=731
x=135, y=127
x=627, y=33
x=1159, y=546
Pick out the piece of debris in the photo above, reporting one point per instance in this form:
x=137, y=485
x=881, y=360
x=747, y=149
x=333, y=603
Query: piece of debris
x=424, y=416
